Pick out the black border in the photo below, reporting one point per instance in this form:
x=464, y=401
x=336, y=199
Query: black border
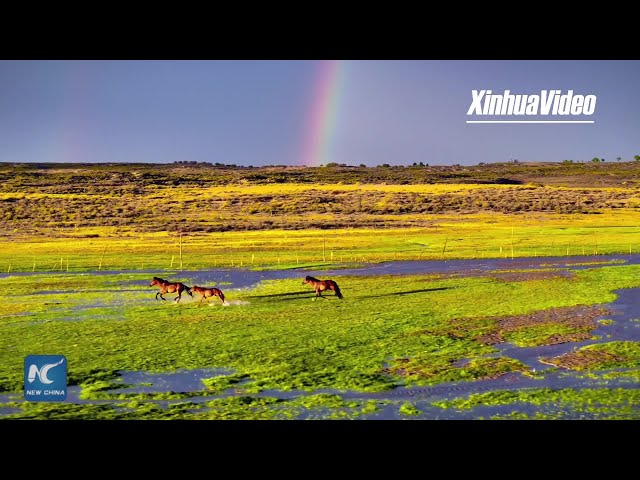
x=331, y=34
x=395, y=440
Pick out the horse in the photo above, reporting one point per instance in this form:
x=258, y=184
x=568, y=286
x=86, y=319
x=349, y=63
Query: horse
x=206, y=292
x=169, y=287
x=322, y=285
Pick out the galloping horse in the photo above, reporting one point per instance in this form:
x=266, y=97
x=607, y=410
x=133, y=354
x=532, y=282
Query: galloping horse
x=205, y=293
x=322, y=285
x=169, y=287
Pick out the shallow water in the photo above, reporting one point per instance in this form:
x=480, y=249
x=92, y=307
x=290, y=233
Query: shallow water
x=179, y=381
x=243, y=278
x=625, y=310
x=421, y=397
x=239, y=278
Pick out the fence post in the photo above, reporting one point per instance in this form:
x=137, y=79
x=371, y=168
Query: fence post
x=102, y=257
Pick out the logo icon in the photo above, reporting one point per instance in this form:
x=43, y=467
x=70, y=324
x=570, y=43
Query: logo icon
x=45, y=378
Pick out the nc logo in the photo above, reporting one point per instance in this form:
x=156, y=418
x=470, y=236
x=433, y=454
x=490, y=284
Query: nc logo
x=42, y=372
x=45, y=378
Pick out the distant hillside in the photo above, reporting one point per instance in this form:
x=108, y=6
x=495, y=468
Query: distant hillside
x=81, y=178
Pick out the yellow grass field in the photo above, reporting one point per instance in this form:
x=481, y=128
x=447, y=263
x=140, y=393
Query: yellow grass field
x=443, y=237
x=139, y=217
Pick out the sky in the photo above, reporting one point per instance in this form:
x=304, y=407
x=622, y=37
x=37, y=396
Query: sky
x=289, y=112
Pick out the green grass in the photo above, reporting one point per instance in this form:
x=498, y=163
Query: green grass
x=614, y=403
x=632, y=374
x=540, y=334
x=231, y=408
x=283, y=339
x=423, y=368
x=606, y=321
x=409, y=409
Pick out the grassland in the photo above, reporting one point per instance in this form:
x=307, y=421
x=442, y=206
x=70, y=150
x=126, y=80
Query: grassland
x=417, y=330
x=413, y=332
x=447, y=237
x=79, y=217
x=600, y=403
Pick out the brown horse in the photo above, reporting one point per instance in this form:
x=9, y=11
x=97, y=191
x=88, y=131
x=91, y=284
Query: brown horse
x=169, y=287
x=322, y=285
x=206, y=292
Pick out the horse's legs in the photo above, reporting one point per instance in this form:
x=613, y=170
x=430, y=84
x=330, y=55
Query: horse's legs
x=319, y=294
x=160, y=293
x=201, y=298
x=157, y=293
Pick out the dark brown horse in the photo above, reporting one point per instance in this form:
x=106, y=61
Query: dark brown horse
x=206, y=292
x=169, y=287
x=322, y=285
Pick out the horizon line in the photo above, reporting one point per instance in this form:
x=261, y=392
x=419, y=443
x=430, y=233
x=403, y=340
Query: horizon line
x=221, y=165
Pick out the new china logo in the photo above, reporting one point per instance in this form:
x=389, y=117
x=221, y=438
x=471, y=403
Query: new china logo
x=45, y=378
x=549, y=104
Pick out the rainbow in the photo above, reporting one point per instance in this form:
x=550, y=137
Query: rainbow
x=322, y=120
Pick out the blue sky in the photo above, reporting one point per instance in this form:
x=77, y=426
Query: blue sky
x=262, y=112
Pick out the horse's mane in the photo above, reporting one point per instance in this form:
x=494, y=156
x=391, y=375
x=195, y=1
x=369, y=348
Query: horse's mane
x=313, y=279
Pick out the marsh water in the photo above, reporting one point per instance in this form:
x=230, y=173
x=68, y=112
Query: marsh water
x=625, y=327
x=245, y=278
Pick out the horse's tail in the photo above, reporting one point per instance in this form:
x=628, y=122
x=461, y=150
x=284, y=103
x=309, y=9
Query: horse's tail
x=187, y=290
x=337, y=290
x=221, y=296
